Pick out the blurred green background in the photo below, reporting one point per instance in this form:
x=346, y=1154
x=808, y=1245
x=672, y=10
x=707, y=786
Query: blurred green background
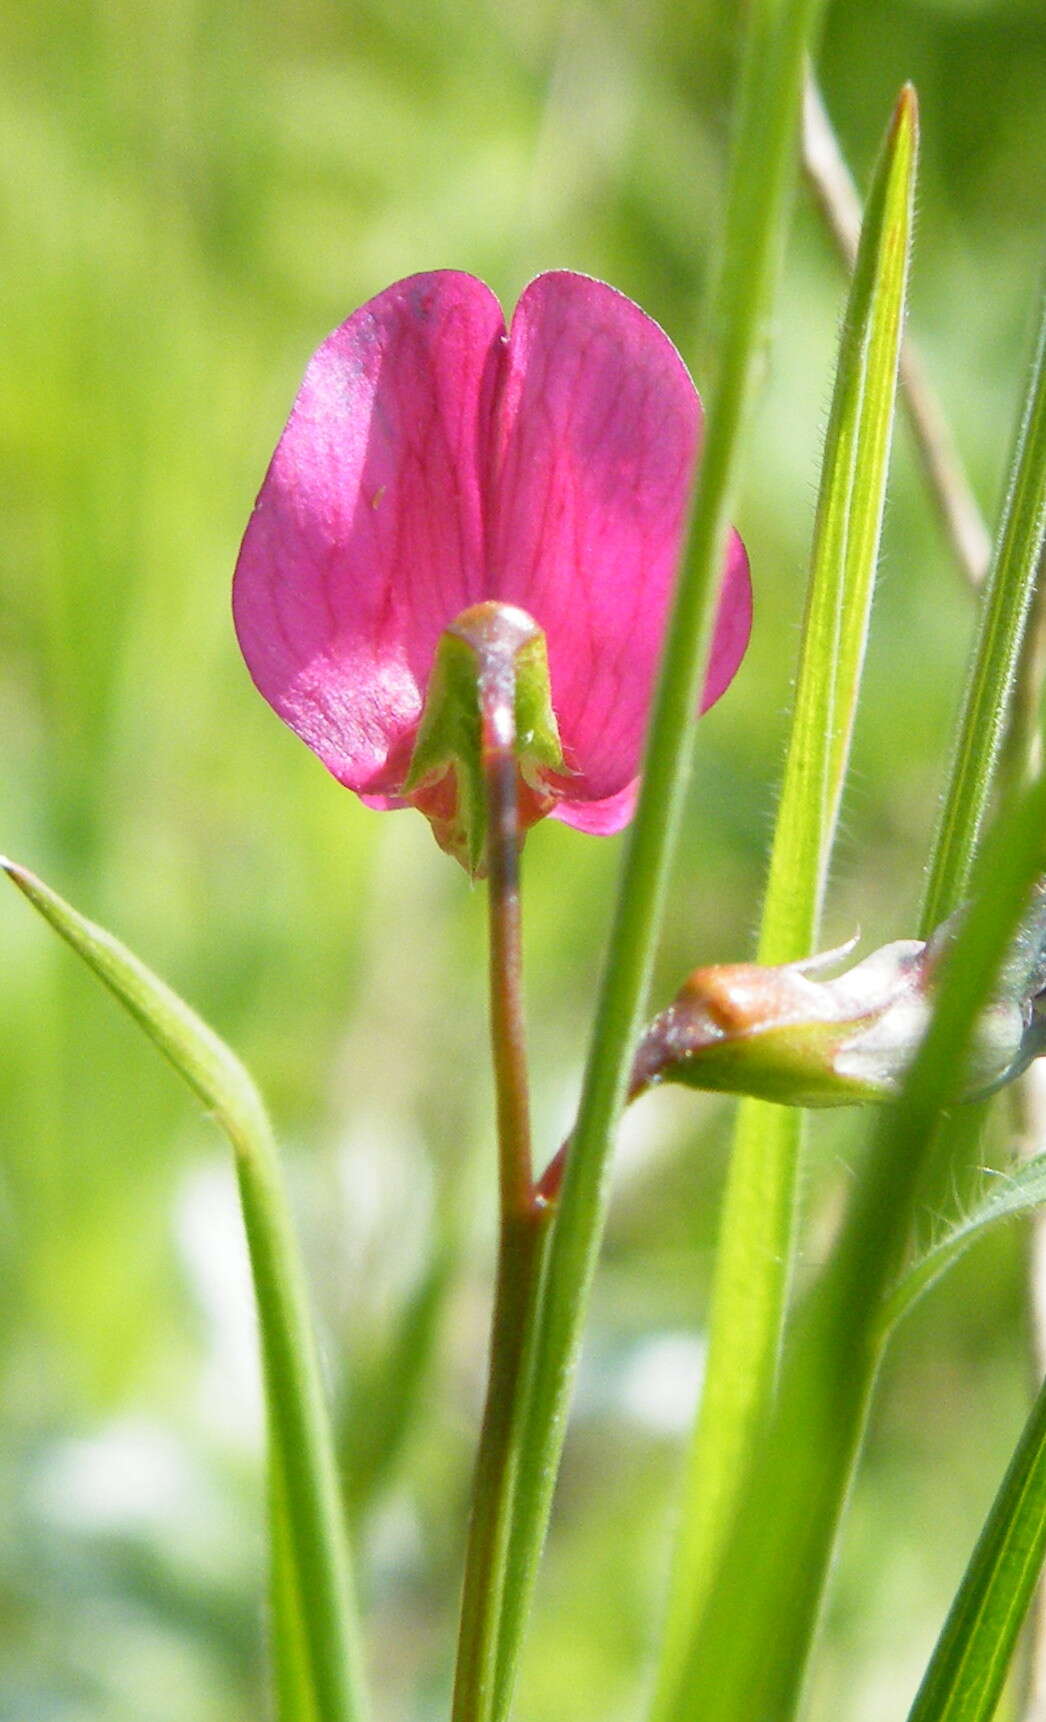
x=192, y=195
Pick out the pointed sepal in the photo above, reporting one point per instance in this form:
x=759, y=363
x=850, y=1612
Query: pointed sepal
x=488, y=691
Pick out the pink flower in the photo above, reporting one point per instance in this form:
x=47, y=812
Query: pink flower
x=432, y=461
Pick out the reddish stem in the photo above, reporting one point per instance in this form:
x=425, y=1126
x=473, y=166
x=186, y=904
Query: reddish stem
x=548, y=1186
x=507, y=1024
x=523, y=1219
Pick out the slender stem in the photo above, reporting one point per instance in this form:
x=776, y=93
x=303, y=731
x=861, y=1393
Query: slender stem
x=550, y=1182
x=520, y=1256
x=523, y=1216
x=294, y=1692
x=507, y=1025
x=837, y=198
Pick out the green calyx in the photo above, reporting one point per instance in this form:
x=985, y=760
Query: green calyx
x=793, y=1065
x=488, y=695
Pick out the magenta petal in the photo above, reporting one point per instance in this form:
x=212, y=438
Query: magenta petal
x=367, y=536
x=598, y=433
x=733, y=624
x=729, y=642
x=431, y=462
x=600, y=818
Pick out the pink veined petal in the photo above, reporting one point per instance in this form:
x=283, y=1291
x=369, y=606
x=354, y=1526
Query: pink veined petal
x=430, y=461
x=600, y=818
x=729, y=641
x=598, y=427
x=733, y=623
x=367, y=537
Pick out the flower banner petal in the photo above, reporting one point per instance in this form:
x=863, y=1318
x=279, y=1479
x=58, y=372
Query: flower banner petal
x=367, y=536
x=597, y=436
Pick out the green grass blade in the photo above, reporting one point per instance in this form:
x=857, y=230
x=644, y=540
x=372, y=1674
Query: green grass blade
x=762, y=173
x=756, y=1238
x=968, y=1667
x=845, y=549
x=298, y=1421
x=1017, y=1193
x=750, y=1656
x=836, y=196
x=872, y=345
x=996, y=651
x=293, y=1693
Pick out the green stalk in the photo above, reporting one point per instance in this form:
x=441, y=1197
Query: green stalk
x=981, y=728
x=295, y=1699
x=311, y=1529
x=757, y=1234
x=762, y=169
x=520, y=1256
x=523, y=1218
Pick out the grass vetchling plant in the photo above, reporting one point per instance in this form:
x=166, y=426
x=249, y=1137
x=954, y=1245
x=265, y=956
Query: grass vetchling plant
x=490, y=576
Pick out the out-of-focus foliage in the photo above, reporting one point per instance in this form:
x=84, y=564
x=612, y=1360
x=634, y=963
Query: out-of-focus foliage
x=193, y=195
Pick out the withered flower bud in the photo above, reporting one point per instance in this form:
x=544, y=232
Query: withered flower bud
x=782, y=1034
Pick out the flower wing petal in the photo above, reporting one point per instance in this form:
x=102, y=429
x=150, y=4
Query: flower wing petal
x=598, y=432
x=733, y=623
x=600, y=818
x=367, y=536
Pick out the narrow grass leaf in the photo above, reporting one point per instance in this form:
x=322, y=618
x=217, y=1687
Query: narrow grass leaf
x=763, y=163
x=294, y=1697
x=981, y=726
x=309, y=1518
x=965, y=1677
x=757, y=1233
x=1016, y=1193
x=836, y=196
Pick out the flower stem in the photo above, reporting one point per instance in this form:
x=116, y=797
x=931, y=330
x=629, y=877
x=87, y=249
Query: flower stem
x=520, y=1257
x=523, y=1216
x=507, y=1026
